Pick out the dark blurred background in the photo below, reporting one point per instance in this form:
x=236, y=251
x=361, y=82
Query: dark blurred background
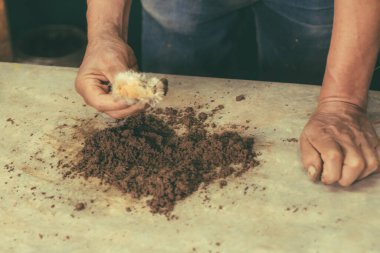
x=56, y=28
x=53, y=32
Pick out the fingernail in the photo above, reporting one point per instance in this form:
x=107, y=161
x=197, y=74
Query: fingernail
x=312, y=172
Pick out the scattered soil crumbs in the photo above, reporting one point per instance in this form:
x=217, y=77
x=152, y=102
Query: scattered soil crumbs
x=222, y=183
x=240, y=98
x=291, y=140
x=148, y=156
x=79, y=206
x=11, y=121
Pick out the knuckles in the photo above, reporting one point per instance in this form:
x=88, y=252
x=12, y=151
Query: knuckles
x=332, y=155
x=356, y=163
x=330, y=178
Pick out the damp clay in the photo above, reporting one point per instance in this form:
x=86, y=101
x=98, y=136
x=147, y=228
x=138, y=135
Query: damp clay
x=164, y=155
x=136, y=87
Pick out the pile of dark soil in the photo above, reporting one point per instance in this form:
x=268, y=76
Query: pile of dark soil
x=147, y=157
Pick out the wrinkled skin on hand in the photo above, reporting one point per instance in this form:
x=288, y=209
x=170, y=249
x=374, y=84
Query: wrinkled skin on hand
x=104, y=58
x=339, y=144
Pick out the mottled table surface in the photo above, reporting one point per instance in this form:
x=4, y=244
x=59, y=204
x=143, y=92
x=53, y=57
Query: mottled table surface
x=271, y=208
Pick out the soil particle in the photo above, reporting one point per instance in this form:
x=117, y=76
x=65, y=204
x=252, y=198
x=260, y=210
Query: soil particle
x=222, y=183
x=145, y=157
x=11, y=121
x=217, y=109
x=291, y=140
x=202, y=116
x=79, y=206
x=240, y=98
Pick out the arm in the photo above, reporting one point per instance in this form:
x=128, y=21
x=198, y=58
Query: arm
x=353, y=51
x=108, y=18
x=106, y=55
x=339, y=143
x=5, y=41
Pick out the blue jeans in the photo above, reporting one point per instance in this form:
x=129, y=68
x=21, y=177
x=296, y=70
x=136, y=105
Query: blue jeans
x=277, y=40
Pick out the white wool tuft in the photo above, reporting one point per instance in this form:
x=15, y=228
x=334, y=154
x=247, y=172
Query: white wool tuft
x=136, y=87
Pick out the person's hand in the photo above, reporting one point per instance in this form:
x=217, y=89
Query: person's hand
x=104, y=58
x=339, y=144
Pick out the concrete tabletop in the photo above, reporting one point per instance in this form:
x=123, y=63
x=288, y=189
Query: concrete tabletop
x=271, y=208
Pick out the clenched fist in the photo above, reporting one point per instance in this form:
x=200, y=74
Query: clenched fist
x=339, y=144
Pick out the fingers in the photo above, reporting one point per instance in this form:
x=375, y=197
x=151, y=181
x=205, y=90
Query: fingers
x=311, y=159
x=354, y=164
x=346, y=141
x=97, y=97
x=332, y=158
x=126, y=112
x=343, y=160
x=371, y=152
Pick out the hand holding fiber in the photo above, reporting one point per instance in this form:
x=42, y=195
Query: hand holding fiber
x=136, y=87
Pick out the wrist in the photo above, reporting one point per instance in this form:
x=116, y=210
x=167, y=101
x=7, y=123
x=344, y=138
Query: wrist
x=104, y=34
x=344, y=88
x=338, y=105
x=335, y=98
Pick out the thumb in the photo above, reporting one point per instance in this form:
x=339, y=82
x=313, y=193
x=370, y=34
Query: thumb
x=310, y=158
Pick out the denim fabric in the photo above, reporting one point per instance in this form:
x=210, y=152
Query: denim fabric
x=293, y=39
x=207, y=37
x=184, y=16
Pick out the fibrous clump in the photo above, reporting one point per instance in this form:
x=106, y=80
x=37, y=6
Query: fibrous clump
x=136, y=87
x=146, y=157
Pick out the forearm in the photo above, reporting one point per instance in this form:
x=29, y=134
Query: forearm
x=353, y=51
x=107, y=18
